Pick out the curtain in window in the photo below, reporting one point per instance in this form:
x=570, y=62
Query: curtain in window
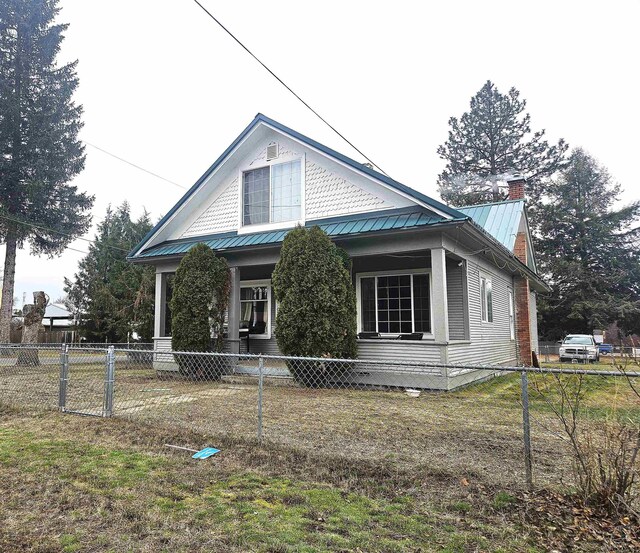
x=254, y=307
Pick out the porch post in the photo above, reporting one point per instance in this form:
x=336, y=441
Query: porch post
x=159, y=312
x=233, y=332
x=439, y=295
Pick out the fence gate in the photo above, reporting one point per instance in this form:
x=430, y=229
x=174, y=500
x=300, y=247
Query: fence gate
x=86, y=381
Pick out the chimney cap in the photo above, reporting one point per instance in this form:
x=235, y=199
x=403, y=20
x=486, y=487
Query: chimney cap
x=515, y=177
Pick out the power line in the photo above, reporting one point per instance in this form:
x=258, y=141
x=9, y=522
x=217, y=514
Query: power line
x=74, y=250
x=42, y=227
x=134, y=165
x=288, y=87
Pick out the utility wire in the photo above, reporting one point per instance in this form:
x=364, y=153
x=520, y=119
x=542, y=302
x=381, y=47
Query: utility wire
x=134, y=165
x=205, y=10
x=42, y=227
x=74, y=250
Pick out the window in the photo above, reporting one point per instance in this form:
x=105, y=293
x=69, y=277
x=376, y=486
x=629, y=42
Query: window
x=254, y=309
x=512, y=319
x=272, y=194
x=395, y=304
x=486, y=299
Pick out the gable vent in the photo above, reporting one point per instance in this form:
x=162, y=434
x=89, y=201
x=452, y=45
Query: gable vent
x=272, y=151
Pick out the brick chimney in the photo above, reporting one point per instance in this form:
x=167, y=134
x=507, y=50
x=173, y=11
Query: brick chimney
x=522, y=291
x=516, y=187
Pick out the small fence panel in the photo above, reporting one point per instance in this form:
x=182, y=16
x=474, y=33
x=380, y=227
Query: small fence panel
x=84, y=381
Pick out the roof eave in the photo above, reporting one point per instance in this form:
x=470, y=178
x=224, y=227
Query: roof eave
x=540, y=284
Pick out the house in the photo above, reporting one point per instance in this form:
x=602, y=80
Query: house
x=434, y=284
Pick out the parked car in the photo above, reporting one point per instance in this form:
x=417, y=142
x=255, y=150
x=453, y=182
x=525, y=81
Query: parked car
x=579, y=347
x=605, y=349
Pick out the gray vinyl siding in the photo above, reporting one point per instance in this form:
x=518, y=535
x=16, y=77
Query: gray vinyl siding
x=420, y=351
x=490, y=342
x=455, y=301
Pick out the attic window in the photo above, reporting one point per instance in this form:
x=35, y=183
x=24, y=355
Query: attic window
x=272, y=194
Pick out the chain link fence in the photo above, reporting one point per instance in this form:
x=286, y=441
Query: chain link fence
x=506, y=426
x=610, y=354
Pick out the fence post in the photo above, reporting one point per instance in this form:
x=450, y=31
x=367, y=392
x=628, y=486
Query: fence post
x=524, y=384
x=109, y=377
x=64, y=378
x=260, y=386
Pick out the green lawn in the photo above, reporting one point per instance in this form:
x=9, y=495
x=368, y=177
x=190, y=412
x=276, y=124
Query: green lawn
x=78, y=484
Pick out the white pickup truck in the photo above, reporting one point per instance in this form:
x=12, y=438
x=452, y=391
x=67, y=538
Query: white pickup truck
x=579, y=347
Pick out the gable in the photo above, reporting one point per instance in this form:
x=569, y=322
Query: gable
x=332, y=185
x=326, y=195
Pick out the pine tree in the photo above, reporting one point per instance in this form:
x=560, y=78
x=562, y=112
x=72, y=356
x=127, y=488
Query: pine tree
x=588, y=251
x=494, y=139
x=112, y=298
x=39, y=149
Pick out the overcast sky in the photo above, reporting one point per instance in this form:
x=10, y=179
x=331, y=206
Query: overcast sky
x=164, y=87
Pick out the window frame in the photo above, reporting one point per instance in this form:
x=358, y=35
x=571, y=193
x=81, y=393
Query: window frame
x=260, y=164
x=398, y=272
x=486, y=298
x=252, y=284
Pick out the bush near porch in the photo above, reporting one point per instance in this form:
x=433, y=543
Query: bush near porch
x=316, y=303
x=198, y=305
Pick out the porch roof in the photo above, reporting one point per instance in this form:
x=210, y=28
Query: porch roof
x=347, y=225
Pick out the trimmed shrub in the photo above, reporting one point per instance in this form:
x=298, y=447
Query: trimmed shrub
x=316, y=304
x=198, y=305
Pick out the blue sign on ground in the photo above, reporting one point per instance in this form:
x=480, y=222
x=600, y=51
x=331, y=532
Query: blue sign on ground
x=205, y=453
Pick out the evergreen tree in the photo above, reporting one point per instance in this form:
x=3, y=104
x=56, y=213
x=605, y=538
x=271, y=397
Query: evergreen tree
x=588, y=251
x=494, y=139
x=316, y=302
x=198, y=305
x=112, y=298
x=199, y=300
x=39, y=147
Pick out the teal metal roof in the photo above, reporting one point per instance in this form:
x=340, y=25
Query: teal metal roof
x=501, y=220
x=396, y=219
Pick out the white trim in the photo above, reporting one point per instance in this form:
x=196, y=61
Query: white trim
x=488, y=278
x=512, y=314
x=281, y=225
x=399, y=272
x=261, y=282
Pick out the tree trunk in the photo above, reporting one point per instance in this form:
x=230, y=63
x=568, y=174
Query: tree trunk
x=32, y=314
x=8, y=283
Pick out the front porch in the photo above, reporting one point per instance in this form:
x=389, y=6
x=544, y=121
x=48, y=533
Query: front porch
x=412, y=308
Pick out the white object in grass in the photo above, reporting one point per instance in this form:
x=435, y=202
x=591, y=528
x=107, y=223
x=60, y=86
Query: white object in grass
x=411, y=392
